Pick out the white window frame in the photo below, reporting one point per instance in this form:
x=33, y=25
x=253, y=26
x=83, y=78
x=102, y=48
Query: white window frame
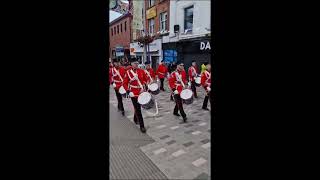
x=150, y=3
x=163, y=21
x=184, y=19
x=151, y=26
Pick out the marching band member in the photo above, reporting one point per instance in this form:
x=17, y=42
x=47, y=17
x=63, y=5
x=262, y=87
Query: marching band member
x=193, y=73
x=161, y=73
x=149, y=73
x=177, y=83
x=118, y=76
x=134, y=85
x=110, y=71
x=206, y=83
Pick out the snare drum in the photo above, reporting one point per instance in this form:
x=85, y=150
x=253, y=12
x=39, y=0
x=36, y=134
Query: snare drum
x=123, y=92
x=187, y=96
x=146, y=100
x=198, y=81
x=154, y=88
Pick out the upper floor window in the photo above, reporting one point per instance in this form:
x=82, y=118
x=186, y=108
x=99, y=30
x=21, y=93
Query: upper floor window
x=151, y=26
x=125, y=26
x=118, y=29
x=163, y=21
x=111, y=32
x=114, y=30
x=188, y=18
x=121, y=27
x=151, y=3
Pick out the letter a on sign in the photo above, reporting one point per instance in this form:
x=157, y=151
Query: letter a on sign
x=202, y=45
x=208, y=46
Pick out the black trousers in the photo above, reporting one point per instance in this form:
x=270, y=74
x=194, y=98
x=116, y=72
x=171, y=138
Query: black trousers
x=119, y=98
x=206, y=99
x=161, y=84
x=194, y=89
x=179, y=105
x=137, y=112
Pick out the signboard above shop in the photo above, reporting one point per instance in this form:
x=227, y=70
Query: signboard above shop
x=151, y=13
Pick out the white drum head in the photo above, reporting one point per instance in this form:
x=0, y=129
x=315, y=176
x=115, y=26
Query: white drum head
x=198, y=80
x=144, y=98
x=122, y=90
x=153, y=87
x=186, y=94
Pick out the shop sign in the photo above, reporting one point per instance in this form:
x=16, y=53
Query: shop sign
x=152, y=12
x=205, y=45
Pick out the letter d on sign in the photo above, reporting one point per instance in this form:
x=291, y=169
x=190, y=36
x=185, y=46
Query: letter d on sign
x=202, y=45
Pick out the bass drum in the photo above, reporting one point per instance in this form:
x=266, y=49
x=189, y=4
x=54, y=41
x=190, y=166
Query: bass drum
x=154, y=88
x=146, y=100
x=123, y=92
x=187, y=96
x=198, y=81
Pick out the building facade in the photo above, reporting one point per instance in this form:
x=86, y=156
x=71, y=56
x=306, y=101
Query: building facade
x=190, y=31
x=120, y=36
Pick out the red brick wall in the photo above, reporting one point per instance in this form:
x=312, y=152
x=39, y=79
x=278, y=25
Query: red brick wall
x=123, y=38
x=161, y=7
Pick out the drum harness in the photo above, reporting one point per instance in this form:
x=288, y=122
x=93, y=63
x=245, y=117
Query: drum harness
x=135, y=77
x=194, y=73
x=117, y=74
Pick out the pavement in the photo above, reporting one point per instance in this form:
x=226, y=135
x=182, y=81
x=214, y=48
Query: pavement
x=169, y=150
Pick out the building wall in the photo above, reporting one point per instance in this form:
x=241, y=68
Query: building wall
x=161, y=6
x=124, y=37
x=201, y=17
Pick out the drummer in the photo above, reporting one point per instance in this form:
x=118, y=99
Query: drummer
x=193, y=74
x=149, y=73
x=206, y=84
x=178, y=82
x=118, y=75
x=133, y=83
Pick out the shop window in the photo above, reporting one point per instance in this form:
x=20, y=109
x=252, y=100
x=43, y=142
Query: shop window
x=163, y=21
x=170, y=55
x=188, y=18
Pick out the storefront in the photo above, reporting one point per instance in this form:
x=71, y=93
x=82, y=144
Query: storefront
x=198, y=49
x=155, y=52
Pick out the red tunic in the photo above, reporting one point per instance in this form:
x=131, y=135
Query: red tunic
x=192, y=72
x=110, y=74
x=162, y=71
x=174, y=83
x=152, y=75
x=132, y=84
x=116, y=79
x=206, y=79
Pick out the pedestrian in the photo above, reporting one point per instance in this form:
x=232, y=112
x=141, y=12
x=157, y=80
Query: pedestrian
x=193, y=74
x=177, y=82
x=162, y=73
x=118, y=75
x=206, y=83
x=134, y=85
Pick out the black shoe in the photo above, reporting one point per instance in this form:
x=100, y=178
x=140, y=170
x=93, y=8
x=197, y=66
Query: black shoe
x=195, y=96
x=122, y=113
x=136, y=122
x=185, y=119
x=143, y=130
x=205, y=109
x=176, y=114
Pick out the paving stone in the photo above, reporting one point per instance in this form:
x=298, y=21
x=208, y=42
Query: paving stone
x=164, y=137
x=171, y=142
x=161, y=150
x=205, y=141
x=202, y=176
x=199, y=162
x=188, y=132
x=196, y=133
x=207, y=145
x=178, y=153
x=189, y=125
x=188, y=144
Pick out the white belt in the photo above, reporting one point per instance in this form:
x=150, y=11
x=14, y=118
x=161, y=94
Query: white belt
x=137, y=87
x=117, y=81
x=161, y=73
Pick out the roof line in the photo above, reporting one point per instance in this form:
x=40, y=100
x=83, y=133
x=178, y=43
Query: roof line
x=118, y=18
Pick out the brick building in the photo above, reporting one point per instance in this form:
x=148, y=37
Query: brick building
x=120, y=36
x=157, y=16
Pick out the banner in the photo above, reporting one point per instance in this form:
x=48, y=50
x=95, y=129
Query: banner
x=137, y=15
x=151, y=13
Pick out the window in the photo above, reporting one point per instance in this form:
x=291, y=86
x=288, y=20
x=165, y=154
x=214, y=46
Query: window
x=125, y=26
x=151, y=3
x=188, y=18
x=121, y=27
x=170, y=55
x=111, y=32
x=114, y=30
x=163, y=21
x=151, y=26
x=118, y=29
